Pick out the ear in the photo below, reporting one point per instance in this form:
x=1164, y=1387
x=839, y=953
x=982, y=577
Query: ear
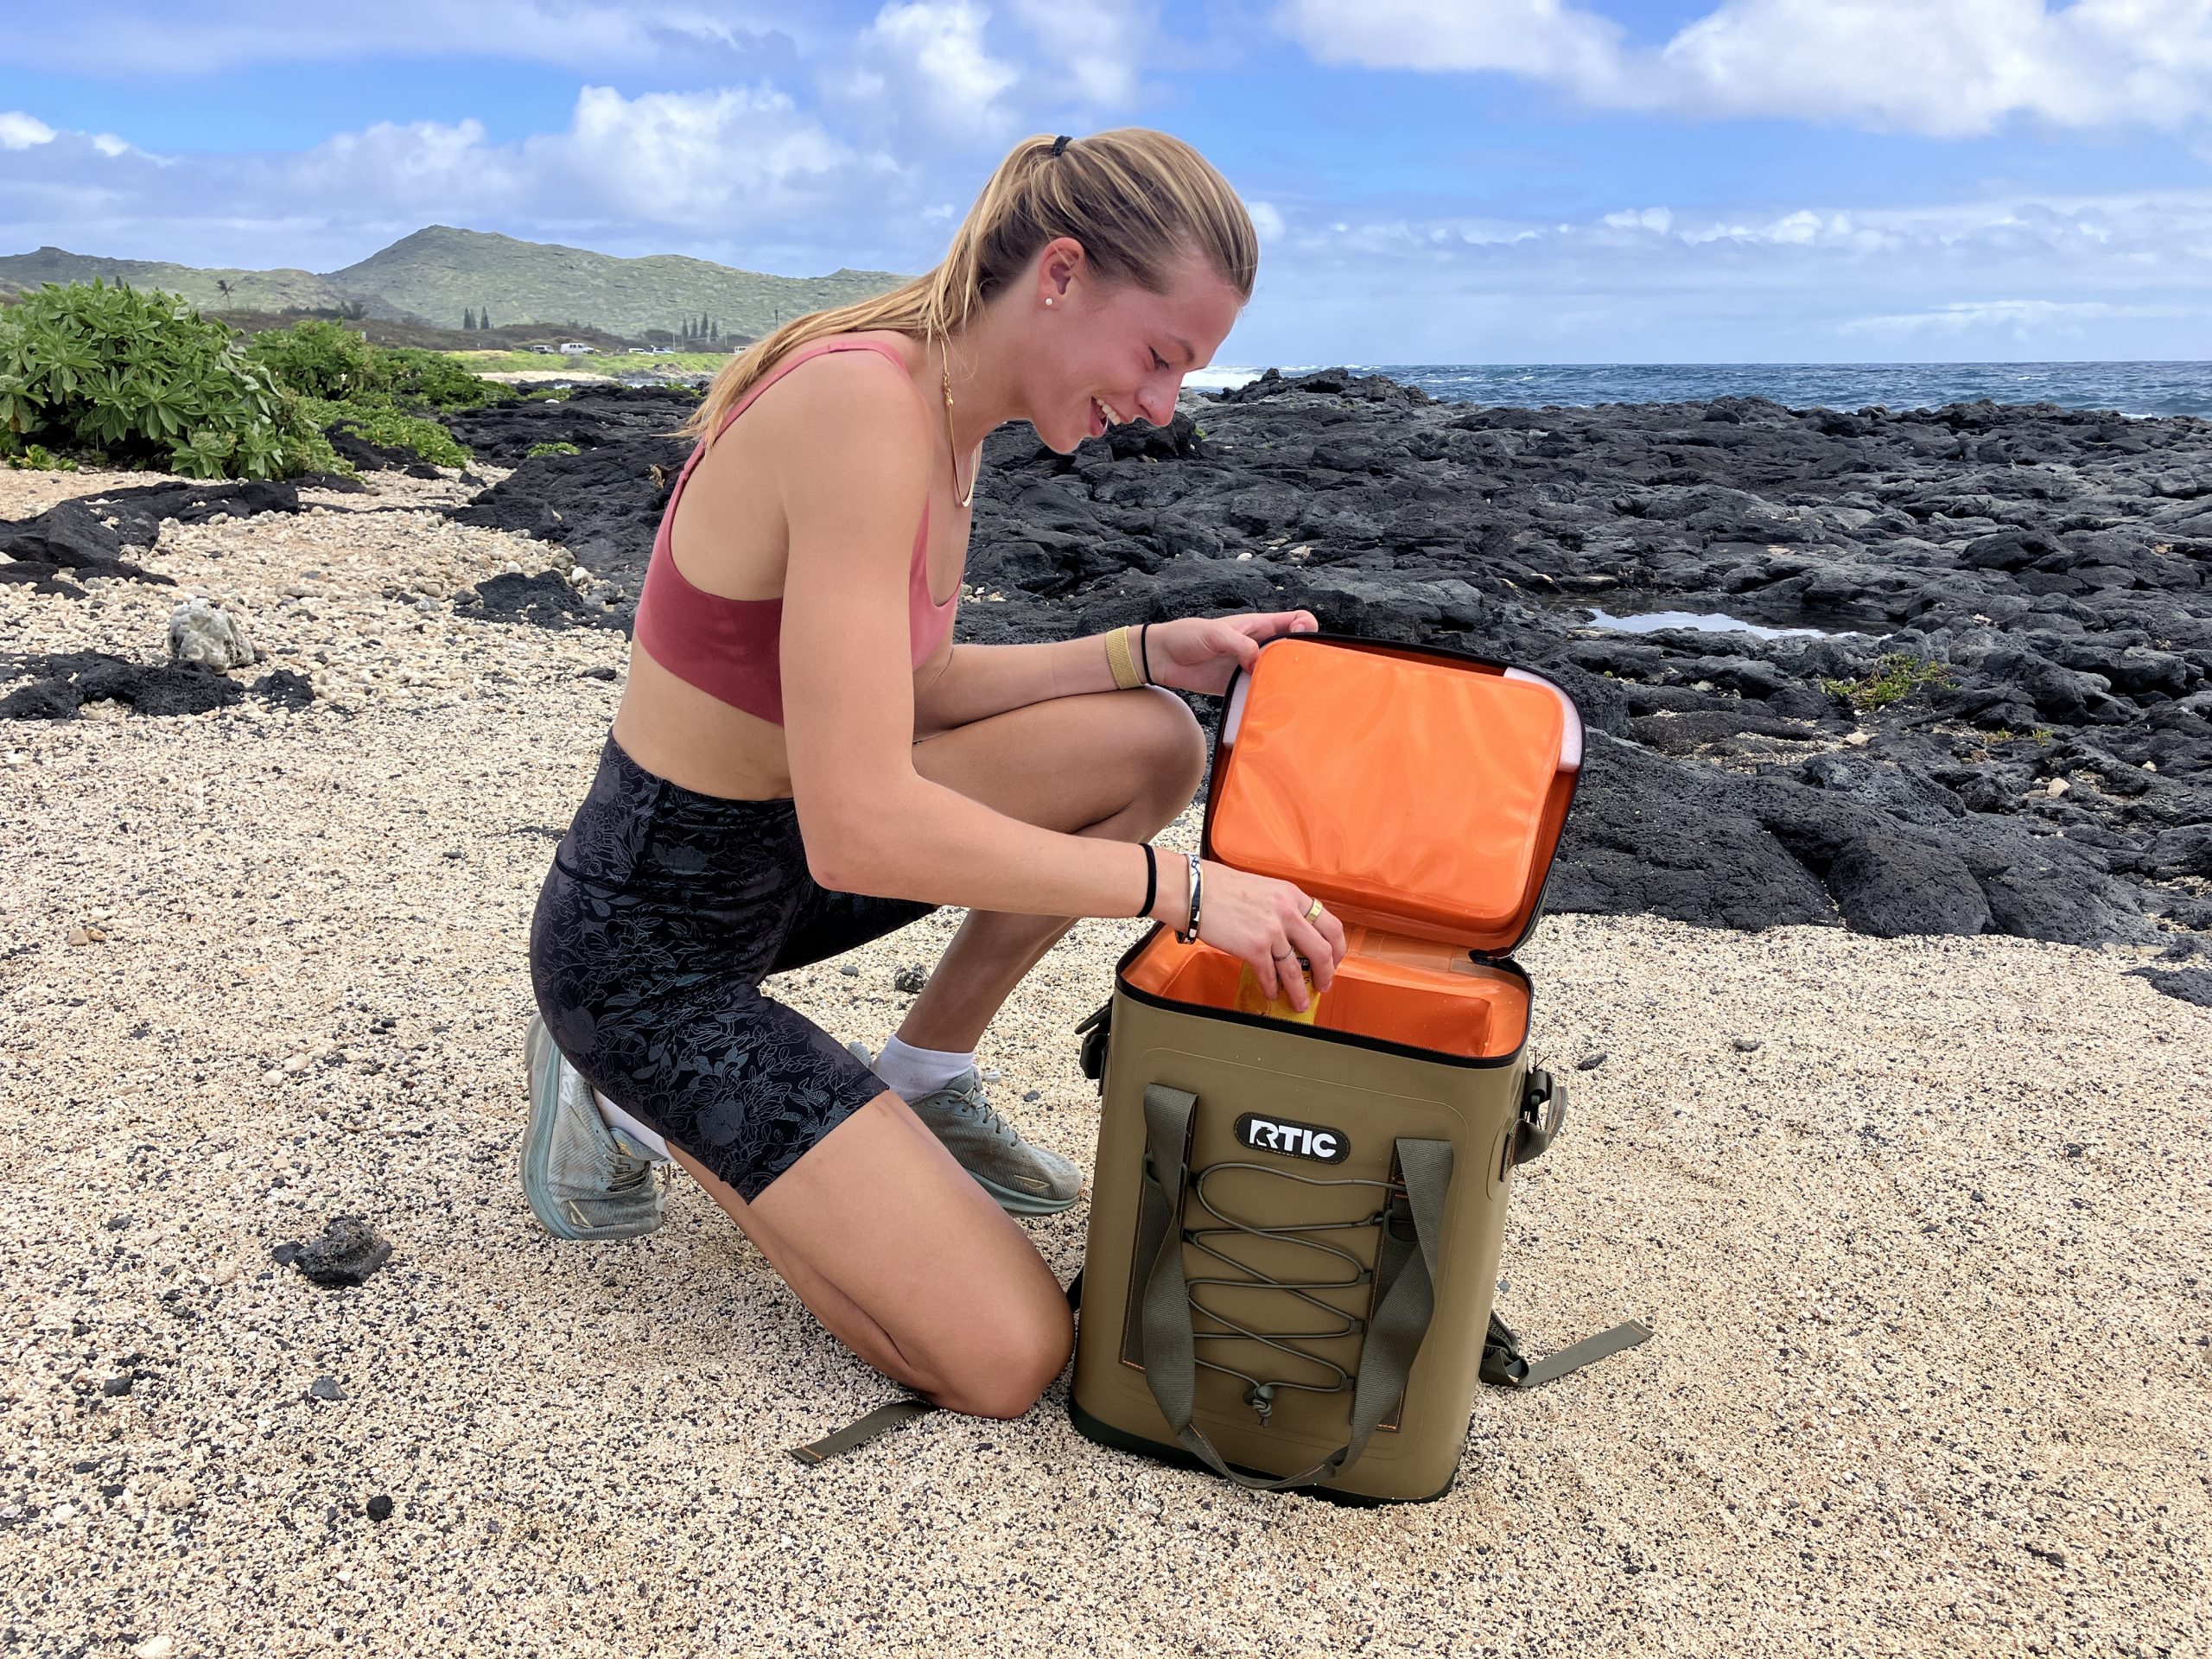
x=1057, y=265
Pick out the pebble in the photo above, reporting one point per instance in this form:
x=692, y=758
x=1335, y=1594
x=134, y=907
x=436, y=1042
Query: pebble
x=156, y=1647
x=325, y=1388
x=1591, y=1062
x=174, y=1495
x=379, y=1507
x=1749, y=1045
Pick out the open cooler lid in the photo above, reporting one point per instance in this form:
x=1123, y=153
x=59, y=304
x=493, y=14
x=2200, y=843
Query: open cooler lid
x=1410, y=789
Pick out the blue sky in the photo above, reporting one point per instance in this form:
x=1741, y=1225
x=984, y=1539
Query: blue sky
x=1435, y=181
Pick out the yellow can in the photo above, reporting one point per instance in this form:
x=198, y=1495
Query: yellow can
x=1250, y=999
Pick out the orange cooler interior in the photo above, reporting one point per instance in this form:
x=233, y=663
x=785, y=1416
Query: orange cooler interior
x=1419, y=993
x=1421, y=797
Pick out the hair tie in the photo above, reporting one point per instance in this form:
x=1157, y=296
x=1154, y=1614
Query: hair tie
x=1060, y=144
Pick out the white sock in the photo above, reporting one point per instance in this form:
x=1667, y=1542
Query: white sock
x=912, y=1072
x=618, y=1119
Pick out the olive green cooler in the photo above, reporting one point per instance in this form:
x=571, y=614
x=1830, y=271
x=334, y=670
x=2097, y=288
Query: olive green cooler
x=1295, y=1229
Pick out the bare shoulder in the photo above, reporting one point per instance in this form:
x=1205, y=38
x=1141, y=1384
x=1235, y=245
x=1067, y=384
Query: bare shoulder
x=863, y=399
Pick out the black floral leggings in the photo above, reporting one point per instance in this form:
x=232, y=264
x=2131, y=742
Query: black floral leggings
x=663, y=911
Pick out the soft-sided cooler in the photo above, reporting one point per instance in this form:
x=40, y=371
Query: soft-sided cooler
x=1294, y=1230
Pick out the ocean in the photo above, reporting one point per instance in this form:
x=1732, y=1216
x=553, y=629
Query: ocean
x=2140, y=389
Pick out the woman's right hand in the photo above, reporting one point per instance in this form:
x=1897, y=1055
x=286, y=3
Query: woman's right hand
x=1261, y=921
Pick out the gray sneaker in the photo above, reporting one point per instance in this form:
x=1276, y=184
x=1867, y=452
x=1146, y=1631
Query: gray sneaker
x=1026, y=1180
x=583, y=1179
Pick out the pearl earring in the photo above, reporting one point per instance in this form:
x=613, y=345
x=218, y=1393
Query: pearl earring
x=1048, y=299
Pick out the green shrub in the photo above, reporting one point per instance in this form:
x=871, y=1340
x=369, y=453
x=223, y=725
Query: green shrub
x=318, y=359
x=434, y=380
x=386, y=395
x=382, y=424
x=144, y=378
x=322, y=360
x=551, y=449
x=1895, y=676
x=37, y=458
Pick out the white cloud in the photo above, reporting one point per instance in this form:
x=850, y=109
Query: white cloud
x=1267, y=221
x=21, y=131
x=1544, y=39
x=725, y=167
x=1946, y=69
x=1093, y=47
x=2114, y=275
x=2023, y=320
x=921, y=71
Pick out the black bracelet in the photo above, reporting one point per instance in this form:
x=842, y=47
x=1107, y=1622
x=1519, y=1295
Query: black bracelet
x=1144, y=651
x=1151, y=878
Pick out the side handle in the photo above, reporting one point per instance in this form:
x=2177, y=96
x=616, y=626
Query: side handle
x=1096, y=1032
x=1543, y=1107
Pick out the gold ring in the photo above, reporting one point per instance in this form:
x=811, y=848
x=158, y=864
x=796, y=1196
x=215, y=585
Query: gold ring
x=1313, y=910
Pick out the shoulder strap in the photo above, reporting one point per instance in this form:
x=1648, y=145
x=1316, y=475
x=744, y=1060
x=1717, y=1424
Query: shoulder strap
x=807, y=353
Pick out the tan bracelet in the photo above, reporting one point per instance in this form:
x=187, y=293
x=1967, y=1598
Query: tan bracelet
x=1123, y=661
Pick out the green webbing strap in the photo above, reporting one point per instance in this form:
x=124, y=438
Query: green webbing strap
x=867, y=1428
x=1404, y=1272
x=1507, y=1366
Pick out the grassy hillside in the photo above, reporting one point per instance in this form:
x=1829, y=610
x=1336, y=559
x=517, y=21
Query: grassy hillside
x=438, y=272
x=261, y=290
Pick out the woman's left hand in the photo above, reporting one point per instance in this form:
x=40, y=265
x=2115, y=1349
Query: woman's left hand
x=1199, y=653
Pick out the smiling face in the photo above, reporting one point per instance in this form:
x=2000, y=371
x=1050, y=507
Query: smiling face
x=1103, y=352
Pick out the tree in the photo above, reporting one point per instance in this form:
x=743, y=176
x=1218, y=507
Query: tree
x=222, y=287
x=713, y=331
x=483, y=317
x=467, y=319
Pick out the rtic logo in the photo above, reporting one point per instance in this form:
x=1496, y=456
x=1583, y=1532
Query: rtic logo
x=1298, y=1140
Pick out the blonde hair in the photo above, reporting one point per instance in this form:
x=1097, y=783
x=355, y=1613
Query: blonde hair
x=1138, y=200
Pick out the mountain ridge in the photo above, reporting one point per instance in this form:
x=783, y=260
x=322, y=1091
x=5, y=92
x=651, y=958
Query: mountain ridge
x=436, y=274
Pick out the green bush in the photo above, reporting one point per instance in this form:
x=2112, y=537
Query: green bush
x=551, y=449
x=385, y=394
x=142, y=378
x=1897, y=675
x=36, y=458
x=320, y=359
x=323, y=359
x=384, y=425
x=436, y=381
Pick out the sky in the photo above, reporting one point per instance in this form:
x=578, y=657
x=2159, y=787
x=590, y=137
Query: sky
x=1433, y=180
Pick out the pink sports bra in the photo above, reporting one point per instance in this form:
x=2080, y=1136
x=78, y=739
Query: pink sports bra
x=729, y=648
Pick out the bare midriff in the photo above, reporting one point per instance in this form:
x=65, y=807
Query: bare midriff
x=730, y=547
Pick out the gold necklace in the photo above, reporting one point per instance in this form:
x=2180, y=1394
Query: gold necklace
x=945, y=376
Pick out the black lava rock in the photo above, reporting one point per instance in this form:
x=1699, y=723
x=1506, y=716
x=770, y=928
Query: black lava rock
x=2014, y=596
x=61, y=682
x=346, y=1253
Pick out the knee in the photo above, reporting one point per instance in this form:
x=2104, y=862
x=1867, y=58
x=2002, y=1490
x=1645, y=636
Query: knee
x=1001, y=1370
x=1172, y=749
